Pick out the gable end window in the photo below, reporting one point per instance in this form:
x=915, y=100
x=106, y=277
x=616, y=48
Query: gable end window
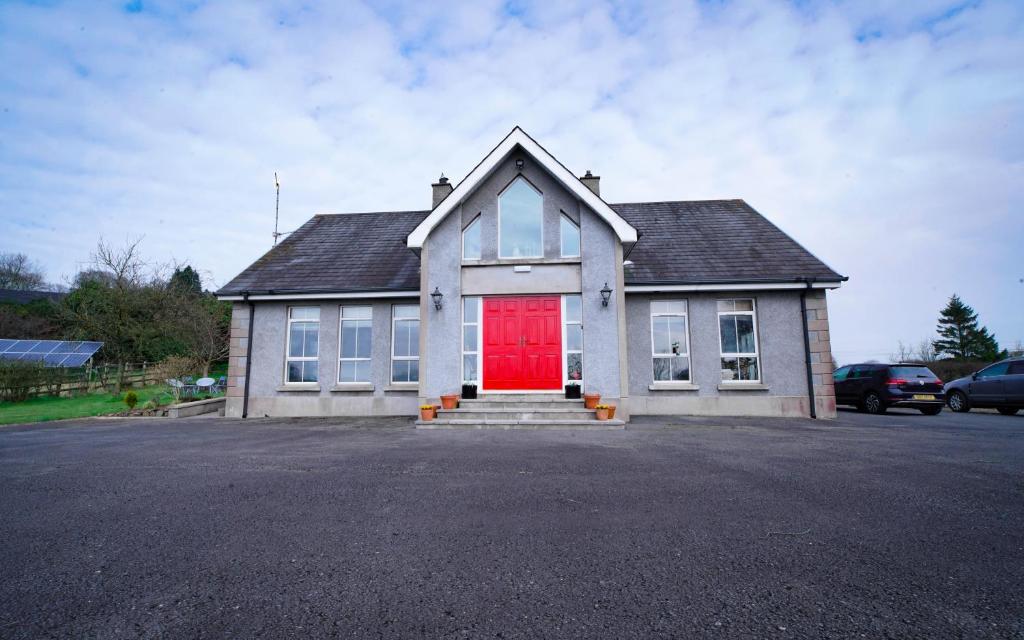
x=521, y=221
x=737, y=332
x=355, y=344
x=471, y=240
x=301, y=360
x=570, y=237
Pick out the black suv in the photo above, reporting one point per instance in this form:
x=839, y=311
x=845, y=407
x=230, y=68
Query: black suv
x=875, y=387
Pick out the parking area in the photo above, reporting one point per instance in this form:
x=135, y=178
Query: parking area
x=900, y=525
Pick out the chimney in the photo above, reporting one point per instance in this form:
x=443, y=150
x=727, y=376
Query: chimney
x=439, y=190
x=592, y=182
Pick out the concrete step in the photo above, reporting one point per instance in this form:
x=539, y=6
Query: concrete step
x=584, y=425
x=522, y=397
x=476, y=412
x=530, y=402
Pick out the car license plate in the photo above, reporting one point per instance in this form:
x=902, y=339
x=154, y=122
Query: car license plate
x=923, y=396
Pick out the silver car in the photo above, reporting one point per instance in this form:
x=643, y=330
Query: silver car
x=998, y=386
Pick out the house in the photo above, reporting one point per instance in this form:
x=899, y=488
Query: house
x=521, y=279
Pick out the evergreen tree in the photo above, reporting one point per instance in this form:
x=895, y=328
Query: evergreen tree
x=186, y=279
x=960, y=337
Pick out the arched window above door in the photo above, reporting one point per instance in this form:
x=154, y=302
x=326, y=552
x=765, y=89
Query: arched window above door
x=521, y=221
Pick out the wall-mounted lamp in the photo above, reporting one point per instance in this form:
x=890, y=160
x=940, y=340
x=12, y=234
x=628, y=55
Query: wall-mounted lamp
x=606, y=295
x=519, y=163
x=437, y=296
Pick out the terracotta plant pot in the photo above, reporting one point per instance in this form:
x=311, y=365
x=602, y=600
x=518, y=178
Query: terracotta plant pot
x=590, y=400
x=611, y=411
x=427, y=414
x=602, y=413
x=450, y=401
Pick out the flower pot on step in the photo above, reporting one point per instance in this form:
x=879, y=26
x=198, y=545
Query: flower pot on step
x=601, y=411
x=449, y=401
x=427, y=412
x=611, y=412
x=590, y=400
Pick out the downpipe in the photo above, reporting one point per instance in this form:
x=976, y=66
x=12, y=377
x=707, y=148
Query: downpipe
x=807, y=351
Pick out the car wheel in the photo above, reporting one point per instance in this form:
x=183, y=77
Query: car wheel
x=958, y=402
x=931, y=411
x=1008, y=411
x=873, y=403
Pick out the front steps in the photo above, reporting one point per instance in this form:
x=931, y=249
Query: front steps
x=520, y=411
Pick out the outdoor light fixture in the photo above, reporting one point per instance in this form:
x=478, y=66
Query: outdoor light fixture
x=606, y=294
x=519, y=163
x=437, y=295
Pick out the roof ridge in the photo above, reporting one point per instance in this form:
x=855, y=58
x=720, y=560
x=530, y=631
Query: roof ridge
x=618, y=204
x=365, y=213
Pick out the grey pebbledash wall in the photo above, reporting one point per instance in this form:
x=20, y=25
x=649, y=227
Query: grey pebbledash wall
x=266, y=396
x=781, y=351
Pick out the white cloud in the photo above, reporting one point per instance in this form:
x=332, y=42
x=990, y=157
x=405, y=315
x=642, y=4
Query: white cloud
x=886, y=138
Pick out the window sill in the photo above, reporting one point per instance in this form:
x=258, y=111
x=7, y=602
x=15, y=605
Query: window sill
x=412, y=386
x=743, y=386
x=352, y=386
x=300, y=386
x=673, y=386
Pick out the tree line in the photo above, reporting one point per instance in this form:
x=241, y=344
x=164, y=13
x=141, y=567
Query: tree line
x=141, y=312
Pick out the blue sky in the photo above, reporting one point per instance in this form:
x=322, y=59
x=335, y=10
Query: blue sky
x=886, y=137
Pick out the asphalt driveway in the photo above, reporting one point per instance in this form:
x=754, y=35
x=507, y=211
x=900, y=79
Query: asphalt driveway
x=882, y=526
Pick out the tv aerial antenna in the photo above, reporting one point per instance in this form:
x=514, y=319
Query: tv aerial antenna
x=277, y=208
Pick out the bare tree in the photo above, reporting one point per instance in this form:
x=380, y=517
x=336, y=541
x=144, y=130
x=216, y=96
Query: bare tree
x=925, y=352
x=904, y=353
x=17, y=271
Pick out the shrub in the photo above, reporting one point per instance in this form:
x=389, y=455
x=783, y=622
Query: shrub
x=131, y=399
x=18, y=379
x=152, y=405
x=177, y=367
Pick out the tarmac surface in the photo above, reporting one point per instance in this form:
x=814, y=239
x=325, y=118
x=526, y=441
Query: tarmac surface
x=899, y=525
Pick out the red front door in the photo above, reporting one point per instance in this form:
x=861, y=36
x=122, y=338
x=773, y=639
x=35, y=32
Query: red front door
x=522, y=343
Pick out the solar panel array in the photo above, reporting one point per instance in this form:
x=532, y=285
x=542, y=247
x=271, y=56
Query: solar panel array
x=53, y=353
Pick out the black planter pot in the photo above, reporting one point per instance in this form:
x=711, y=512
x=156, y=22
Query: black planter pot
x=572, y=392
x=469, y=392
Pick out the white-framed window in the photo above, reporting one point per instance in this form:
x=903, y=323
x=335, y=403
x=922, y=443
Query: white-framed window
x=570, y=233
x=301, y=359
x=471, y=240
x=471, y=309
x=355, y=344
x=520, y=221
x=737, y=333
x=670, y=341
x=572, y=314
x=405, y=343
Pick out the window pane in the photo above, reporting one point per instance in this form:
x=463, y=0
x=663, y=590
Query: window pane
x=662, y=340
x=744, y=305
x=362, y=371
x=521, y=213
x=347, y=371
x=727, y=325
x=999, y=369
x=680, y=368
x=729, y=369
x=570, y=238
x=840, y=374
x=305, y=313
x=471, y=241
x=668, y=306
x=745, y=333
x=662, y=369
x=574, y=366
x=348, y=339
x=400, y=370
x=309, y=371
x=414, y=337
x=726, y=305
x=295, y=340
x=573, y=309
x=470, y=311
x=405, y=311
x=677, y=330
x=401, y=347
x=312, y=335
x=469, y=337
x=414, y=370
x=748, y=369
x=356, y=312
x=574, y=337
x=294, y=372
x=364, y=338
x=469, y=368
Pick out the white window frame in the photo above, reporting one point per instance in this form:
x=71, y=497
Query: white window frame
x=477, y=321
x=341, y=326
x=561, y=239
x=288, y=345
x=473, y=223
x=685, y=315
x=757, y=343
x=565, y=341
x=539, y=193
x=394, y=323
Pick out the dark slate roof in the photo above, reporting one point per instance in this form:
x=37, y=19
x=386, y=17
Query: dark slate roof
x=713, y=241
x=14, y=296
x=350, y=252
